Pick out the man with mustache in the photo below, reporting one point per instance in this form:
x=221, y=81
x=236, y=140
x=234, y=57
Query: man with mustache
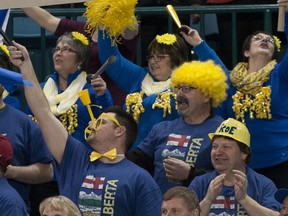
x=176, y=151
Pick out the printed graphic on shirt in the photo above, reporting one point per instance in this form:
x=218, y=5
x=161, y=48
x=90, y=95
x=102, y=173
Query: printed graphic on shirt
x=178, y=140
x=226, y=206
x=180, y=147
x=97, y=196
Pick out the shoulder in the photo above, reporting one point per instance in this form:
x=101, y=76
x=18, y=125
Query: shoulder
x=258, y=178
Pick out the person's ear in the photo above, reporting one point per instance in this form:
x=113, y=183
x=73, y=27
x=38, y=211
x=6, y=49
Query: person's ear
x=195, y=212
x=120, y=131
x=246, y=54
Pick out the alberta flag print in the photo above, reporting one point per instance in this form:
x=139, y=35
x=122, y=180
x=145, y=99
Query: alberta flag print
x=178, y=140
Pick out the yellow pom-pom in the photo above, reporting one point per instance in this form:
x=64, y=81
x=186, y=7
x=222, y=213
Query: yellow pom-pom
x=114, y=15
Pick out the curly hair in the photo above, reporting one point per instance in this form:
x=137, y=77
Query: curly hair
x=207, y=77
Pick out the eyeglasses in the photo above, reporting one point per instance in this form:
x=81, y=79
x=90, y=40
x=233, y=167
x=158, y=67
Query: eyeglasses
x=157, y=58
x=184, y=89
x=64, y=50
x=260, y=38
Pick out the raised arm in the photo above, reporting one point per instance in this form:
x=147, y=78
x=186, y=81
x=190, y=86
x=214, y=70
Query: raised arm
x=42, y=18
x=53, y=131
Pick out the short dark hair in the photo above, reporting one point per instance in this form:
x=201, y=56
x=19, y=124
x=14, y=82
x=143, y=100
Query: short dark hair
x=128, y=122
x=178, y=51
x=188, y=195
x=247, y=44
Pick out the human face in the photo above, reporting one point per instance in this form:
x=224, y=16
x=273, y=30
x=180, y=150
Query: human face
x=102, y=125
x=64, y=59
x=190, y=100
x=284, y=210
x=176, y=207
x=226, y=155
x=261, y=44
x=159, y=66
x=49, y=211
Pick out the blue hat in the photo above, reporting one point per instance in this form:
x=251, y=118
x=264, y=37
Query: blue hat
x=10, y=80
x=281, y=194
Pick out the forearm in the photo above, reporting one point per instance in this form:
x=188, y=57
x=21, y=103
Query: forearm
x=54, y=133
x=33, y=174
x=205, y=206
x=42, y=18
x=255, y=209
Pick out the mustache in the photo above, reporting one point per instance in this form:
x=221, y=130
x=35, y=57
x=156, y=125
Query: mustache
x=181, y=99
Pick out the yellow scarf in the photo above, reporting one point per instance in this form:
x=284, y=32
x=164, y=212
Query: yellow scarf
x=60, y=103
x=251, y=96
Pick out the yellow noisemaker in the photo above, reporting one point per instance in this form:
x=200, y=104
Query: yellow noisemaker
x=85, y=98
x=170, y=9
x=173, y=14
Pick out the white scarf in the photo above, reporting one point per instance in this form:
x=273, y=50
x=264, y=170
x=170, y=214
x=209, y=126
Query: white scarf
x=60, y=103
x=149, y=86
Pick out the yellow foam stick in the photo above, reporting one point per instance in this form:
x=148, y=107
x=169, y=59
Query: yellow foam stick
x=281, y=19
x=85, y=98
x=173, y=14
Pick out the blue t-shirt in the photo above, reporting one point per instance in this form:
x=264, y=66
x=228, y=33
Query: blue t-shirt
x=183, y=141
x=259, y=188
x=27, y=141
x=11, y=202
x=98, y=188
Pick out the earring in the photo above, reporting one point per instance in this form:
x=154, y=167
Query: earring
x=78, y=67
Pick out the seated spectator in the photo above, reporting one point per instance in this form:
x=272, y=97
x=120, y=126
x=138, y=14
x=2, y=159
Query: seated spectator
x=174, y=152
x=11, y=202
x=32, y=160
x=150, y=99
x=180, y=201
x=281, y=196
x=58, y=205
x=257, y=96
x=233, y=188
x=127, y=45
x=105, y=182
x=61, y=88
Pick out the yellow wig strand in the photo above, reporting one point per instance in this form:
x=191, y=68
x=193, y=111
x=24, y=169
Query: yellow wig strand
x=114, y=15
x=207, y=77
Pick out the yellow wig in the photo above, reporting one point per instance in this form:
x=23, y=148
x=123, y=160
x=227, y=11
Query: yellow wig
x=114, y=15
x=207, y=77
